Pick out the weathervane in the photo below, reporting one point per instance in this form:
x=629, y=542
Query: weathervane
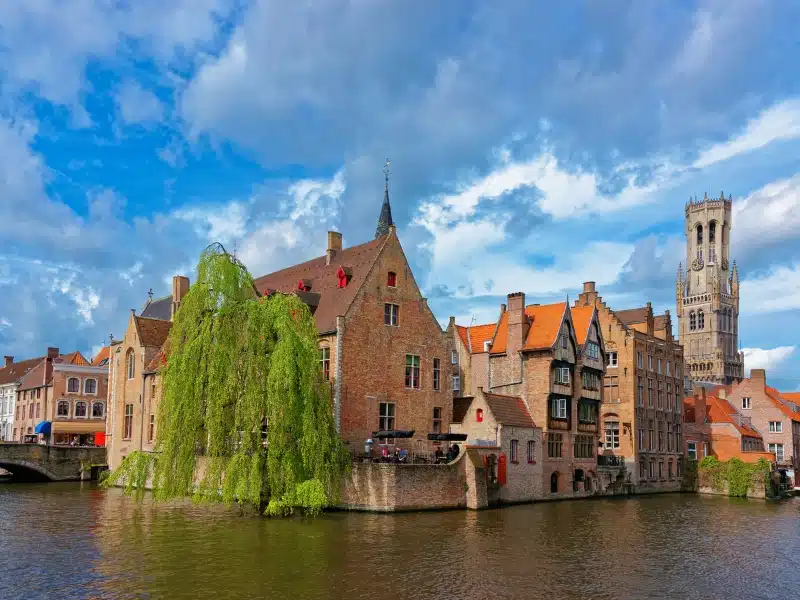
x=386, y=172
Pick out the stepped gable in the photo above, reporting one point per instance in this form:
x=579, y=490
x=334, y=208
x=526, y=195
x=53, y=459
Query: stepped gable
x=509, y=410
x=322, y=279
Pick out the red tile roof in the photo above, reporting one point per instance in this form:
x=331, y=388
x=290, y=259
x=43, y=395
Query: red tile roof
x=16, y=371
x=104, y=353
x=632, y=315
x=775, y=396
x=509, y=410
x=545, y=324
x=475, y=336
x=157, y=362
x=73, y=358
x=35, y=377
x=333, y=301
x=581, y=319
x=152, y=332
x=722, y=411
x=500, y=340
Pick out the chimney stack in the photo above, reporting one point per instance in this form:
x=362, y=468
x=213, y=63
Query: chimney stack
x=759, y=375
x=9, y=360
x=588, y=286
x=516, y=322
x=52, y=353
x=180, y=287
x=334, y=246
x=588, y=296
x=700, y=405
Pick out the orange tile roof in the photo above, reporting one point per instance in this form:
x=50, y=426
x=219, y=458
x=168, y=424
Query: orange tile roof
x=500, y=341
x=581, y=319
x=722, y=411
x=474, y=337
x=101, y=356
x=73, y=358
x=775, y=396
x=545, y=324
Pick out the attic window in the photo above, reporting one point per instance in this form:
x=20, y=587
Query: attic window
x=479, y=415
x=304, y=285
x=343, y=274
x=391, y=280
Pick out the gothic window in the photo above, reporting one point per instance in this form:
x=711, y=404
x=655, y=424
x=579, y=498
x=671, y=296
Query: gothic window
x=712, y=232
x=699, y=234
x=701, y=320
x=692, y=321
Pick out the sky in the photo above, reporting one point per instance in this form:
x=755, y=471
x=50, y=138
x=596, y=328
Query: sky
x=532, y=147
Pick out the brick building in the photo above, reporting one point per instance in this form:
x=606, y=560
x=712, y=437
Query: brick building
x=643, y=387
x=775, y=417
x=10, y=377
x=503, y=422
x=63, y=399
x=713, y=427
x=536, y=353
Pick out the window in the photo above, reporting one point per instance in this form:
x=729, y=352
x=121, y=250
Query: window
x=127, y=424
x=652, y=469
x=612, y=361
x=642, y=472
x=640, y=393
x=562, y=375
x=325, y=362
x=479, y=415
x=591, y=381
x=81, y=410
x=669, y=396
x=30, y=411
x=650, y=393
x=587, y=412
x=390, y=314
x=555, y=445
x=391, y=279
x=456, y=383
x=611, y=385
x=412, y=371
x=639, y=359
x=564, y=341
x=436, y=374
x=592, y=350
x=651, y=435
x=612, y=435
x=73, y=385
x=558, y=408
x=660, y=397
x=775, y=427
x=454, y=357
x=38, y=409
x=131, y=364
x=151, y=430
x=659, y=366
x=692, y=321
x=437, y=419
x=641, y=440
x=678, y=470
x=701, y=320
x=90, y=386
x=98, y=410
x=669, y=368
x=712, y=255
x=712, y=230
x=699, y=234
x=531, y=451
x=386, y=416
x=584, y=446
x=777, y=449
x=661, y=470
x=660, y=437
x=649, y=362
x=514, y=444
x=691, y=450
x=745, y=402
x=669, y=469
x=38, y=393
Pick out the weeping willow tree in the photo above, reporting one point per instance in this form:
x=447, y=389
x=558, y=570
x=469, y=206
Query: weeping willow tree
x=241, y=388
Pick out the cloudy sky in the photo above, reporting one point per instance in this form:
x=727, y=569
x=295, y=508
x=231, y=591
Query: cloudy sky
x=532, y=148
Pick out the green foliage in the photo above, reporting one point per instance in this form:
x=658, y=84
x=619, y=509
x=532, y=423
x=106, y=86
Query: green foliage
x=689, y=479
x=739, y=476
x=132, y=474
x=237, y=363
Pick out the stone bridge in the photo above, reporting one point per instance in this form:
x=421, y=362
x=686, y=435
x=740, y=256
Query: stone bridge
x=34, y=462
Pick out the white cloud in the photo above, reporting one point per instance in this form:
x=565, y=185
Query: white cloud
x=225, y=224
x=758, y=358
x=138, y=105
x=777, y=290
x=778, y=122
x=767, y=216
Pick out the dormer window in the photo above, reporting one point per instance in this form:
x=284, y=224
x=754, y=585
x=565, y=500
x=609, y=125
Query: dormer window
x=391, y=279
x=343, y=275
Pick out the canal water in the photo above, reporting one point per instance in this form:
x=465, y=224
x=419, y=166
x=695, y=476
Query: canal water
x=80, y=541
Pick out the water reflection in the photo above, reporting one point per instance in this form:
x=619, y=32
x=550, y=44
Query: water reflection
x=77, y=541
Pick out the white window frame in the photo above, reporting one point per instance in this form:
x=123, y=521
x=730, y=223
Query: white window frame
x=649, y=362
x=456, y=383
x=558, y=408
x=384, y=418
x=640, y=360
x=776, y=427
x=91, y=409
x=611, y=434
x=394, y=314
x=779, y=456
x=562, y=376
x=454, y=357
x=76, y=415
x=746, y=402
x=69, y=408
x=669, y=368
x=85, y=382
x=613, y=360
x=691, y=450
x=69, y=380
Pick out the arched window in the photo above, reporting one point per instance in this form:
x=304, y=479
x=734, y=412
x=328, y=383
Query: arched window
x=699, y=234
x=90, y=386
x=692, y=321
x=479, y=415
x=73, y=385
x=710, y=367
x=391, y=279
x=701, y=320
x=81, y=409
x=712, y=232
x=98, y=410
x=554, y=483
x=131, y=364
x=62, y=409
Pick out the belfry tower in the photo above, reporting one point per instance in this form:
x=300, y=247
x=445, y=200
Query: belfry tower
x=707, y=295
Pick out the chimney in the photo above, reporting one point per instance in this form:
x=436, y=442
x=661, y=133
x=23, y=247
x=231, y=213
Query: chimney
x=334, y=246
x=180, y=286
x=723, y=393
x=9, y=361
x=52, y=353
x=759, y=376
x=516, y=322
x=451, y=324
x=588, y=296
x=699, y=405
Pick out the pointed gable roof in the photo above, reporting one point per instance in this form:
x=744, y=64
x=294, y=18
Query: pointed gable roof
x=582, y=320
x=160, y=308
x=152, y=332
x=719, y=410
x=101, y=358
x=73, y=358
x=333, y=301
x=546, y=322
x=16, y=371
x=509, y=410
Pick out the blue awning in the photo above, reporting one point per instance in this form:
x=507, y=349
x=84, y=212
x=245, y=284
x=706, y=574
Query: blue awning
x=43, y=427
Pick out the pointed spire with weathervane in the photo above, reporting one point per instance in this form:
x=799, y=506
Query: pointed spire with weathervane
x=385, y=220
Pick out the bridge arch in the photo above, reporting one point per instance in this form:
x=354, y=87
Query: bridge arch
x=26, y=470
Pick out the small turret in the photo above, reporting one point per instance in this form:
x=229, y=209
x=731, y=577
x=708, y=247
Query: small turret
x=385, y=220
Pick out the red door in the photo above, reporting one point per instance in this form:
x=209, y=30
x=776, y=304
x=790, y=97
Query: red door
x=502, y=475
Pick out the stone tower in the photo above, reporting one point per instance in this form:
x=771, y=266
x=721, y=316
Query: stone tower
x=707, y=295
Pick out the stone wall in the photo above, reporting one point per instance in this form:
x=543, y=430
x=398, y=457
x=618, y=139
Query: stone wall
x=55, y=463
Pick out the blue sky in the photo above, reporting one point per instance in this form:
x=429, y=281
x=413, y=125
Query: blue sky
x=532, y=148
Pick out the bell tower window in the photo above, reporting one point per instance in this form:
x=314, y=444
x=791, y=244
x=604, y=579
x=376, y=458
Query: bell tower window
x=701, y=320
x=699, y=234
x=692, y=321
x=712, y=232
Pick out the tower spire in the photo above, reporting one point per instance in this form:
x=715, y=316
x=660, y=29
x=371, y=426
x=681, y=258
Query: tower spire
x=385, y=219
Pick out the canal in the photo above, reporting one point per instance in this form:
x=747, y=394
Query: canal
x=80, y=541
